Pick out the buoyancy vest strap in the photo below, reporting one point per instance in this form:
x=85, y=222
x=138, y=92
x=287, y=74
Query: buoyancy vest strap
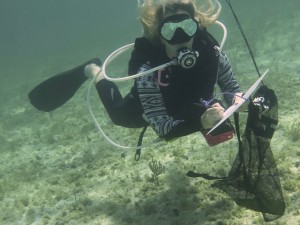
x=140, y=141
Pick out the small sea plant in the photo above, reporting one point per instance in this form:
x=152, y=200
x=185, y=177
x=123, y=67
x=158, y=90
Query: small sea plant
x=157, y=168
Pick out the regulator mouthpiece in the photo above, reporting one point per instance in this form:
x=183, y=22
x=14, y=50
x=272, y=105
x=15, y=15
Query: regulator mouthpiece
x=186, y=58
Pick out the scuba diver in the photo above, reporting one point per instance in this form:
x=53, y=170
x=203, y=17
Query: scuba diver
x=175, y=101
x=180, y=99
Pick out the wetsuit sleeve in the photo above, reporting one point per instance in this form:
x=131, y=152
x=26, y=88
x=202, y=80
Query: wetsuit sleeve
x=226, y=79
x=155, y=111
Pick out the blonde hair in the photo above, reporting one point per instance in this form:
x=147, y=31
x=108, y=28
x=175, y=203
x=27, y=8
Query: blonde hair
x=152, y=12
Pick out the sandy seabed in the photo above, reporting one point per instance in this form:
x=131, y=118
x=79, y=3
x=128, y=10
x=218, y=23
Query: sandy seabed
x=56, y=169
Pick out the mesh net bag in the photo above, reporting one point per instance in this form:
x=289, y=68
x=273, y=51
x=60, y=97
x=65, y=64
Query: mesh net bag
x=253, y=181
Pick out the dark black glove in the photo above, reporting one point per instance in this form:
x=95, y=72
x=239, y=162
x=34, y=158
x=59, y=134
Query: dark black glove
x=263, y=112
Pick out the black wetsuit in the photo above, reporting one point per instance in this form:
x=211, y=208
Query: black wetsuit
x=167, y=97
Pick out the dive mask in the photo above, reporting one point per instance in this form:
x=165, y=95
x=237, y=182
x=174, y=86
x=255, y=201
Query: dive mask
x=178, y=28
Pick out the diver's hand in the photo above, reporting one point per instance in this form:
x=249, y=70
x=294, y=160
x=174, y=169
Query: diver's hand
x=212, y=115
